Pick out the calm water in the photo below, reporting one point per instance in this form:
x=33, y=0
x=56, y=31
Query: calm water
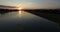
x=26, y=22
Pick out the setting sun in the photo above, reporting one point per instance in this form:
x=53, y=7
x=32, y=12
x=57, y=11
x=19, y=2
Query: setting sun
x=19, y=8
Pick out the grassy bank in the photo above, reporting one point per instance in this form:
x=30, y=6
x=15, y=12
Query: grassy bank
x=53, y=15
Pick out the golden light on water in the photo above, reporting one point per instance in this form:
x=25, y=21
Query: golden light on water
x=20, y=12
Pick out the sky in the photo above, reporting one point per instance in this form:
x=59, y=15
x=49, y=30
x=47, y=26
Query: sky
x=32, y=4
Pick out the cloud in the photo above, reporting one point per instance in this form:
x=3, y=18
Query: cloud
x=3, y=6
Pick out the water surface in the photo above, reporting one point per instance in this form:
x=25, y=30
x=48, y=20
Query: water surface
x=22, y=21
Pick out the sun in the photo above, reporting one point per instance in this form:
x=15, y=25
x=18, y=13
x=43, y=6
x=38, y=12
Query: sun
x=19, y=8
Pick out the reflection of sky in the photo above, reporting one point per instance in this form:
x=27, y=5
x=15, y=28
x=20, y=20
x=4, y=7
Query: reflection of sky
x=32, y=3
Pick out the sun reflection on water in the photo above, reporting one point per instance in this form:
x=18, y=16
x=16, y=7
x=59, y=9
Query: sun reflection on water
x=20, y=12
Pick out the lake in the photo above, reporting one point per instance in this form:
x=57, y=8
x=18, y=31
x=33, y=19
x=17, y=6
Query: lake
x=22, y=21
